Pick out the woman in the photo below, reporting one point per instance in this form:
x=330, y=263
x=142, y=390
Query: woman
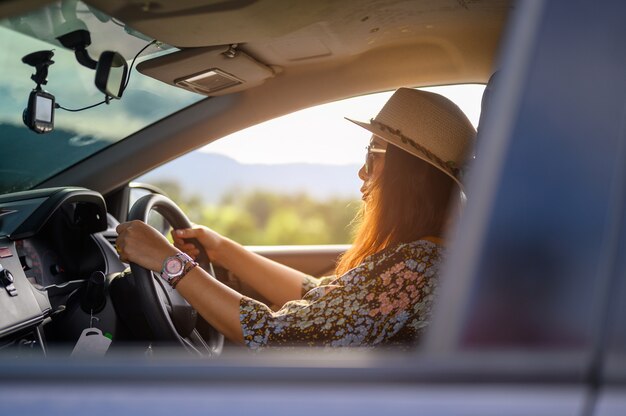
x=385, y=284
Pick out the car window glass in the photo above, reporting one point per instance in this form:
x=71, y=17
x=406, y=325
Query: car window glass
x=77, y=135
x=288, y=181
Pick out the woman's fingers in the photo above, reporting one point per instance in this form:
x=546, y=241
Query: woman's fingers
x=208, y=239
x=178, y=242
x=187, y=232
x=181, y=234
x=185, y=246
x=189, y=249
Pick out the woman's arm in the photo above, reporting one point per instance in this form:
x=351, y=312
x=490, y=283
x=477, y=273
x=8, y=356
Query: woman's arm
x=217, y=303
x=274, y=281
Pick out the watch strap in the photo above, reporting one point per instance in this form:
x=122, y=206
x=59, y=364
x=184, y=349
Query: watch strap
x=187, y=268
x=187, y=264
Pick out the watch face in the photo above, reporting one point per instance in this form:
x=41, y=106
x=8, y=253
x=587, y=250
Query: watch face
x=174, y=266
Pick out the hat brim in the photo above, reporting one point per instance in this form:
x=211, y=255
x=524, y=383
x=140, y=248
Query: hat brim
x=396, y=140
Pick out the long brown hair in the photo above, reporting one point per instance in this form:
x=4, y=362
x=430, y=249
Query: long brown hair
x=409, y=200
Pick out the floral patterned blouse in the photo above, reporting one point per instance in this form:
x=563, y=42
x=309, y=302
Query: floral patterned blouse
x=385, y=300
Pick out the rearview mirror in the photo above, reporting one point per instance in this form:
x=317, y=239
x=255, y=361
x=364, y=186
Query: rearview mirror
x=111, y=74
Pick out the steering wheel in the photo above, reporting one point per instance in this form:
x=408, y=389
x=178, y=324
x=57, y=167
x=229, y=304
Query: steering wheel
x=170, y=317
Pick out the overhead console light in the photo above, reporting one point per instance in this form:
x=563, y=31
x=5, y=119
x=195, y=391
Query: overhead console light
x=215, y=70
x=208, y=82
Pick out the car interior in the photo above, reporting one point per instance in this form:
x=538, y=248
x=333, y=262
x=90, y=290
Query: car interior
x=530, y=307
x=205, y=70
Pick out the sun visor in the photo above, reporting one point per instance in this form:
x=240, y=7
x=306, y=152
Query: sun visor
x=211, y=71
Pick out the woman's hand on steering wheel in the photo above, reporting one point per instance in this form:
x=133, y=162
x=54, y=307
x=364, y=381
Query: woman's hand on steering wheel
x=169, y=316
x=139, y=243
x=209, y=239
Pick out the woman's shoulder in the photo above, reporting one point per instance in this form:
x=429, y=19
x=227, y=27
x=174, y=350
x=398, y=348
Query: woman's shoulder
x=420, y=254
x=413, y=250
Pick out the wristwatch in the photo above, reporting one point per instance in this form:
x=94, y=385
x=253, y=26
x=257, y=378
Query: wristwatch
x=176, y=267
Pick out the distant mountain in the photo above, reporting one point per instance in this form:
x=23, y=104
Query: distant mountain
x=212, y=175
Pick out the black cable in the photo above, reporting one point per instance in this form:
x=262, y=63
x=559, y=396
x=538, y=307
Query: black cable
x=130, y=70
x=107, y=99
x=74, y=110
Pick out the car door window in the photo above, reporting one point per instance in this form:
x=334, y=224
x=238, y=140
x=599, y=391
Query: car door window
x=289, y=181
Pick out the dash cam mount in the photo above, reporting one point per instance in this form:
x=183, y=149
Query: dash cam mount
x=41, y=61
x=39, y=114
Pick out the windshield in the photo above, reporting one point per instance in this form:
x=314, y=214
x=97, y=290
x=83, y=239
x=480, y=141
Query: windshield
x=29, y=158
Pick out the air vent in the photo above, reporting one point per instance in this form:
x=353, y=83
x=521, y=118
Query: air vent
x=110, y=236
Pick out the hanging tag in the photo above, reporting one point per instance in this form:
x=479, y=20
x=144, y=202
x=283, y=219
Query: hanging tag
x=91, y=343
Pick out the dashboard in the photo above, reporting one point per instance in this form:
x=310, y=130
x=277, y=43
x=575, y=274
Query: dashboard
x=51, y=242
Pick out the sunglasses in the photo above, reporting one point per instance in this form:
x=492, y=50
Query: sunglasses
x=369, y=157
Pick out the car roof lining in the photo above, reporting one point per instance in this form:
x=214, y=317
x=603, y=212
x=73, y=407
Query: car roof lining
x=284, y=35
x=194, y=23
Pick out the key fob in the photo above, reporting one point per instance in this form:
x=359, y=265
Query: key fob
x=91, y=343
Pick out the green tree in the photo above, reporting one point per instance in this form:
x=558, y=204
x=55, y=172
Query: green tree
x=263, y=217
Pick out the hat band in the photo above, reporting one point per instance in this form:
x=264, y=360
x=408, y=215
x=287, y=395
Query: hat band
x=449, y=167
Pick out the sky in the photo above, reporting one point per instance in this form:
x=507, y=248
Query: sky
x=321, y=134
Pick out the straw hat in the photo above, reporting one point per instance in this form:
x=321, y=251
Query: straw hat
x=426, y=125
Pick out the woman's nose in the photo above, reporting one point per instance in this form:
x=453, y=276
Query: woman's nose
x=362, y=174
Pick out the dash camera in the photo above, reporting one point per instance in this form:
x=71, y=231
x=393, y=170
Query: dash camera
x=39, y=115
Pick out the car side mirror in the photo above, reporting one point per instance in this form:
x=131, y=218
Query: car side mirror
x=111, y=74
